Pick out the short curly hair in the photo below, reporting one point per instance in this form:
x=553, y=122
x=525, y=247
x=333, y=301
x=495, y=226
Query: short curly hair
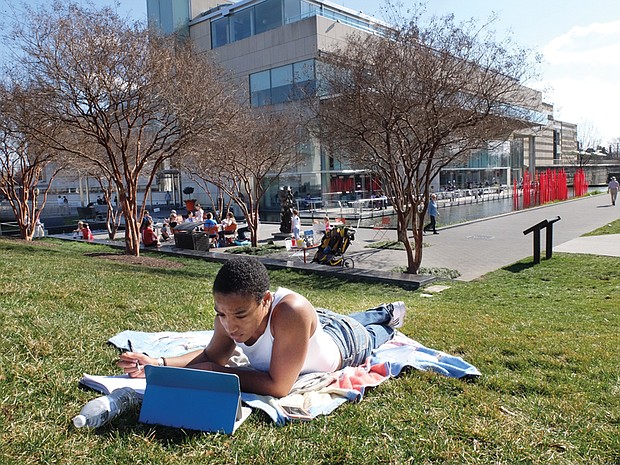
x=243, y=275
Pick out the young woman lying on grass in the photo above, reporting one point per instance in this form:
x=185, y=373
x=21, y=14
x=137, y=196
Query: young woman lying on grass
x=280, y=332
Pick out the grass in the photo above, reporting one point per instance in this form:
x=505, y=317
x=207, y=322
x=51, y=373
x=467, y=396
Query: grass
x=545, y=338
x=611, y=228
x=261, y=250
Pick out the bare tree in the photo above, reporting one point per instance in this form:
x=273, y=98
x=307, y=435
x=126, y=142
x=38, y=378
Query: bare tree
x=259, y=148
x=588, y=142
x=614, y=147
x=27, y=168
x=141, y=98
x=412, y=99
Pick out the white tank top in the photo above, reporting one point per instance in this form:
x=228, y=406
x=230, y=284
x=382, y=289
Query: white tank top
x=323, y=353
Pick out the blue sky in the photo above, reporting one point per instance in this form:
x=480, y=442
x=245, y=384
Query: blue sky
x=579, y=40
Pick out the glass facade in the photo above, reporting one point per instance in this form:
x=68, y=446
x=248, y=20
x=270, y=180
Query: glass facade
x=169, y=16
x=498, y=163
x=283, y=84
x=271, y=14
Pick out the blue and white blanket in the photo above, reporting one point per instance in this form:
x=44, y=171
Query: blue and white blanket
x=316, y=393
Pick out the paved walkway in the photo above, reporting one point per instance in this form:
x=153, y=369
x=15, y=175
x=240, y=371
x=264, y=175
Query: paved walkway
x=478, y=247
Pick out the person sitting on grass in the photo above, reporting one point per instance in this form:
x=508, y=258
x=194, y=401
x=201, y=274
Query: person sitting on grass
x=165, y=231
x=77, y=233
x=282, y=333
x=149, y=238
x=87, y=234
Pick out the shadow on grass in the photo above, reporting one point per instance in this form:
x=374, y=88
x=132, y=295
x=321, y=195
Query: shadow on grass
x=519, y=267
x=153, y=263
x=129, y=425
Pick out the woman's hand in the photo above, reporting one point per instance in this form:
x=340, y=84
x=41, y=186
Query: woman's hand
x=133, y=363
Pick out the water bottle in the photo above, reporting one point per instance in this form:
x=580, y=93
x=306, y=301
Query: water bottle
x=103, y=409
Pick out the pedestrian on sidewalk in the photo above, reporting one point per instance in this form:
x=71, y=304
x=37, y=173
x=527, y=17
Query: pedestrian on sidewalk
x=432, y=212
x=612, y=188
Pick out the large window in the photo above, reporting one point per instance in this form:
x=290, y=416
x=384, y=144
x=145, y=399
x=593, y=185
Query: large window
x=282, y=84
x=292, y=11
x=260, y=88
x=219, y=32
x=304, y=80
x=241, y=24
x=268, y=15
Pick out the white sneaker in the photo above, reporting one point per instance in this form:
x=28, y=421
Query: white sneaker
x=398, y=311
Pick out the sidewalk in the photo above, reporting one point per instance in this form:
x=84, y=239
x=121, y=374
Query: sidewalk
x=478, y=247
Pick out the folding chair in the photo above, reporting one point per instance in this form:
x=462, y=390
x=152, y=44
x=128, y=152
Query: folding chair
x=381, y=228
x=214, y=235
x=229, y=234
x=293, y=250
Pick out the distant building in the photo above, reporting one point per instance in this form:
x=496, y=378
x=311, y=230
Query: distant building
x=273, y=48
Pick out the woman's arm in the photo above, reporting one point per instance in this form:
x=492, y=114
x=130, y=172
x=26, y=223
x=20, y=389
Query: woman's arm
x=133, y=363
x=292, y=324
x=217, y=352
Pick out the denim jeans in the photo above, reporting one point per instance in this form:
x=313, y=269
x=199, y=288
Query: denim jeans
x=357, y=334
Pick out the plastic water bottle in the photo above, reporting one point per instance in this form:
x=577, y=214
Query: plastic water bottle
x=101, y=410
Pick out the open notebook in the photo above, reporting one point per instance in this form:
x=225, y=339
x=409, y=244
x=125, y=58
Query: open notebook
x=106, y=384
x=193, y=399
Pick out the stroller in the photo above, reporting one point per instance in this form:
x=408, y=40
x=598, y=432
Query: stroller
x=333, y=245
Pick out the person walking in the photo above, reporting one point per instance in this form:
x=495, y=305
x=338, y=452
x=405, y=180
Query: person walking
x=612, y=188
x=432, y=212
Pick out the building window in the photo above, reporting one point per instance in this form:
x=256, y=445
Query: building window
x=292, y=11
x=241, y=24
x=282, y=84
x=304, y=81
x=268, y=15
x=260, y=88
x=219, y=32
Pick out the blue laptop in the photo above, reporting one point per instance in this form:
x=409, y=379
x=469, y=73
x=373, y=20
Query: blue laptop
x=193, y=399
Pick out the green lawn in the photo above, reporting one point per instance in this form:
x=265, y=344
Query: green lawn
x=545, y=338
x=611, y=228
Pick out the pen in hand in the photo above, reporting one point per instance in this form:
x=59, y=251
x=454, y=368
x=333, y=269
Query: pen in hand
x=138, y=367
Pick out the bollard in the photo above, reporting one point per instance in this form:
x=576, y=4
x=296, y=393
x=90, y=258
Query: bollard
x=548, y=224
x=549, y=244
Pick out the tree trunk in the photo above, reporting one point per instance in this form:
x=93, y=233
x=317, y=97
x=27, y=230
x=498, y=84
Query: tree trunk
x=111, y=221
x=418, y=237
x=132, y=227
x=253, y=225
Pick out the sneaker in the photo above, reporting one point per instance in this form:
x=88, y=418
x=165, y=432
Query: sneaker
x=397, y=310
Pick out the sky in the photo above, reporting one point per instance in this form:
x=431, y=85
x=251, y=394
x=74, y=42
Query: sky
x=579, y=41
